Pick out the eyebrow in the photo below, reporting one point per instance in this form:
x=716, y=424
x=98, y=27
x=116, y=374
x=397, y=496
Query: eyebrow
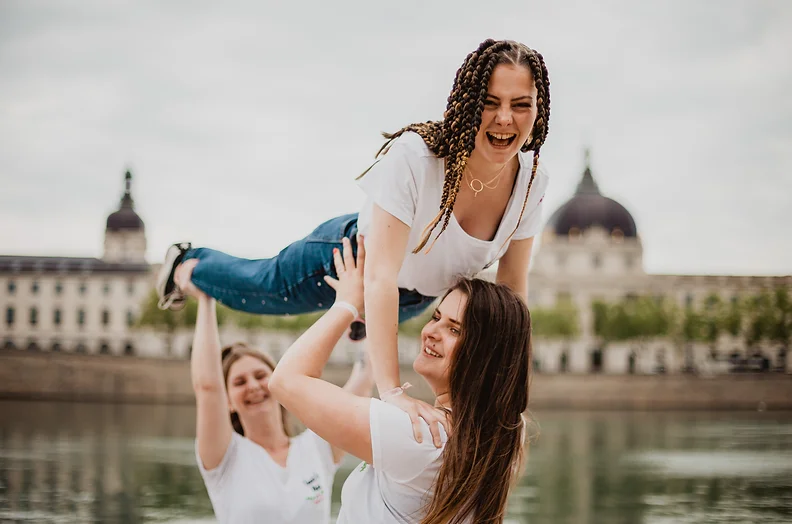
x=529, y=97
x=453, y=321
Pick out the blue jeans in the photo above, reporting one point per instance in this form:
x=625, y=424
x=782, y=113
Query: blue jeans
x=290, y=283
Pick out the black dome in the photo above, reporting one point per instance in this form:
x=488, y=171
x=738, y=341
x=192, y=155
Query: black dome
x=125, y=219
x=588, y=208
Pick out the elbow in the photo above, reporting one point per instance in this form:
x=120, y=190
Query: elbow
x=277, y=385
x=207, y=387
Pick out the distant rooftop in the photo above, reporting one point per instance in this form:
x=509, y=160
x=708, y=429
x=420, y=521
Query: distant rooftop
x=81, y=265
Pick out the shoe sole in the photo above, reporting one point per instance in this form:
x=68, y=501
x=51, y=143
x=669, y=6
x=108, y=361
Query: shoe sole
x=165, y=285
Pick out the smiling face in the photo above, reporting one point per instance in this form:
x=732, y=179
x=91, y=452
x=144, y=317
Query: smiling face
x=248, y=388
x=508, y=116
x=439, y=340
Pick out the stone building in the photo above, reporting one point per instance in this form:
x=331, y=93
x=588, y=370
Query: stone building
x=591, y=250
x=81, y=305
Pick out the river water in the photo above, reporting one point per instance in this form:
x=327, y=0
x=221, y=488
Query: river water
x=68, y=462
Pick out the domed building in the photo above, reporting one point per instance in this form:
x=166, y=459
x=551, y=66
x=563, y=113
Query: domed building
x=125, y=234
x=79, y=304
x=591, y=251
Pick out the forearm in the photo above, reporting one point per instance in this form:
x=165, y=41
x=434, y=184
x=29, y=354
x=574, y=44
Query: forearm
x=361, y=380
x=205, y=364
x=309, y=353
x=382, y=330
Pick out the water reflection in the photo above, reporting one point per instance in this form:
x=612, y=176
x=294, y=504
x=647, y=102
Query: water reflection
x=62, y=462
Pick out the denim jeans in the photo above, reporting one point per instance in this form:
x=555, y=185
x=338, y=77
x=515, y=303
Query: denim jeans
x=290, y=283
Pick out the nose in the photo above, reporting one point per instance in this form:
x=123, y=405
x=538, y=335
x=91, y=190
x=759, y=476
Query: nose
x=503, y=116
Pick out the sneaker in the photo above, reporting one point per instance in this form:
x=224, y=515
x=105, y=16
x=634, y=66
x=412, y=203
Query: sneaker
x=170, y=296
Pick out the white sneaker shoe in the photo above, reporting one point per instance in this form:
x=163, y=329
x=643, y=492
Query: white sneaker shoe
x=170, y=296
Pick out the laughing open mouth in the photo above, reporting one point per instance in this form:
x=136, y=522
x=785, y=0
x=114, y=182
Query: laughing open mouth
x=501, y=139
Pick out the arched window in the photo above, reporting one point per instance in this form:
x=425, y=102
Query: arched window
x=9, y=345
x=129, y=349
x=81, y=348
x=104, y=349
x=32, y=346
x=56, y=347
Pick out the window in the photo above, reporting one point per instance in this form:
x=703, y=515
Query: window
x=104, y=349
x=34, y=287
x=9, y=345
x=10, y=316
x=56, y=347
x=32, y=346
x=106, y=288
x=131, y=288
x=58, y=287
x=596, y=260
x=33, y=316
x=617, y=235
x=689, y=300
x=83, y=288
x=11, y=287
x=80, y=348
x=56, y=317
x=81, y=317
x=129, y=349
x=105, y=317
x=130, y=320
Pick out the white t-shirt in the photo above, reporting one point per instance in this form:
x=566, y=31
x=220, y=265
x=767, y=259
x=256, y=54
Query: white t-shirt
x=249, y=487
x=398, y=486
x=407, y=182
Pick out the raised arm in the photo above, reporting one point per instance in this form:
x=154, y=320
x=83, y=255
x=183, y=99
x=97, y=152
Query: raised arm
x=336, y=415
x=387, y=243
x=213, y=425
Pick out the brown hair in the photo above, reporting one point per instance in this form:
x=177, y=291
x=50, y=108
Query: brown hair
x=488, y=386
x=233, y=353
x=454, y=137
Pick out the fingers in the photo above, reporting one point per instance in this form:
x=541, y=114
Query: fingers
x=349, y=258
x=361, y=253
x=435, y=418
x=338, y=261
x=333, y=283
x=416, y=424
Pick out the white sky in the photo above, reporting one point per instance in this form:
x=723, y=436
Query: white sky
x=245, y=123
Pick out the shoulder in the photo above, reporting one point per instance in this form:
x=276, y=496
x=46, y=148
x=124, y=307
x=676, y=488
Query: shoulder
x=526, y=163
x=412, y=143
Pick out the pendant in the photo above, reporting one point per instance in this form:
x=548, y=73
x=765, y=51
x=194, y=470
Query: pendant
x=479, y=190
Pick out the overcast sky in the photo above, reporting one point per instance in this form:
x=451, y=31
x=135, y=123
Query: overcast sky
x=244, y=123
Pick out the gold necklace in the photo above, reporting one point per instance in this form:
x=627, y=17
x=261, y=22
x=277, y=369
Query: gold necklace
x=481, y=185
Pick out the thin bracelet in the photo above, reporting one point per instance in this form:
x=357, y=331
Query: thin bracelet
x=395, y=392
x=349, y=307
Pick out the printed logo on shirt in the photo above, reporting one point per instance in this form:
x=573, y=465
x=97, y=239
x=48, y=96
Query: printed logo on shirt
x=317, y=496
x=363, y=467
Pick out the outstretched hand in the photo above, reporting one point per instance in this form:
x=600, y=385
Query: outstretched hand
x=182, y=277
x=349, y=284
x=417, y=410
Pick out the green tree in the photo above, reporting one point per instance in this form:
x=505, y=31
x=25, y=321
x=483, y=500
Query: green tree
x=559, y=322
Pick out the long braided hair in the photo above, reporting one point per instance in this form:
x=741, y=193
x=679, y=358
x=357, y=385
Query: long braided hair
x=454, y=137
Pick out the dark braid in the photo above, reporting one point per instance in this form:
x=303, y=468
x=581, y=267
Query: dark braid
x=454, y=137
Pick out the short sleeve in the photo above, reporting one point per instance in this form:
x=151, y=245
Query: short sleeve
x=395, y=451
x=532, y=223
x=324, y=451
x=393, y=181
x=215, y=477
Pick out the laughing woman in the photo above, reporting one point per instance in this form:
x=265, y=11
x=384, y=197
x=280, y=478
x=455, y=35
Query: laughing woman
x=476, y=355
x=254, y=469
x=423, y=217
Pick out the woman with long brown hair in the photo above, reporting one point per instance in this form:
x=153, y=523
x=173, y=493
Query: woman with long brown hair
x=444, y=199
x=476, y=357
x=255, y=468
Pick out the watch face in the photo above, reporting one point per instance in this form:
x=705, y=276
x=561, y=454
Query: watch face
x=357, y=330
